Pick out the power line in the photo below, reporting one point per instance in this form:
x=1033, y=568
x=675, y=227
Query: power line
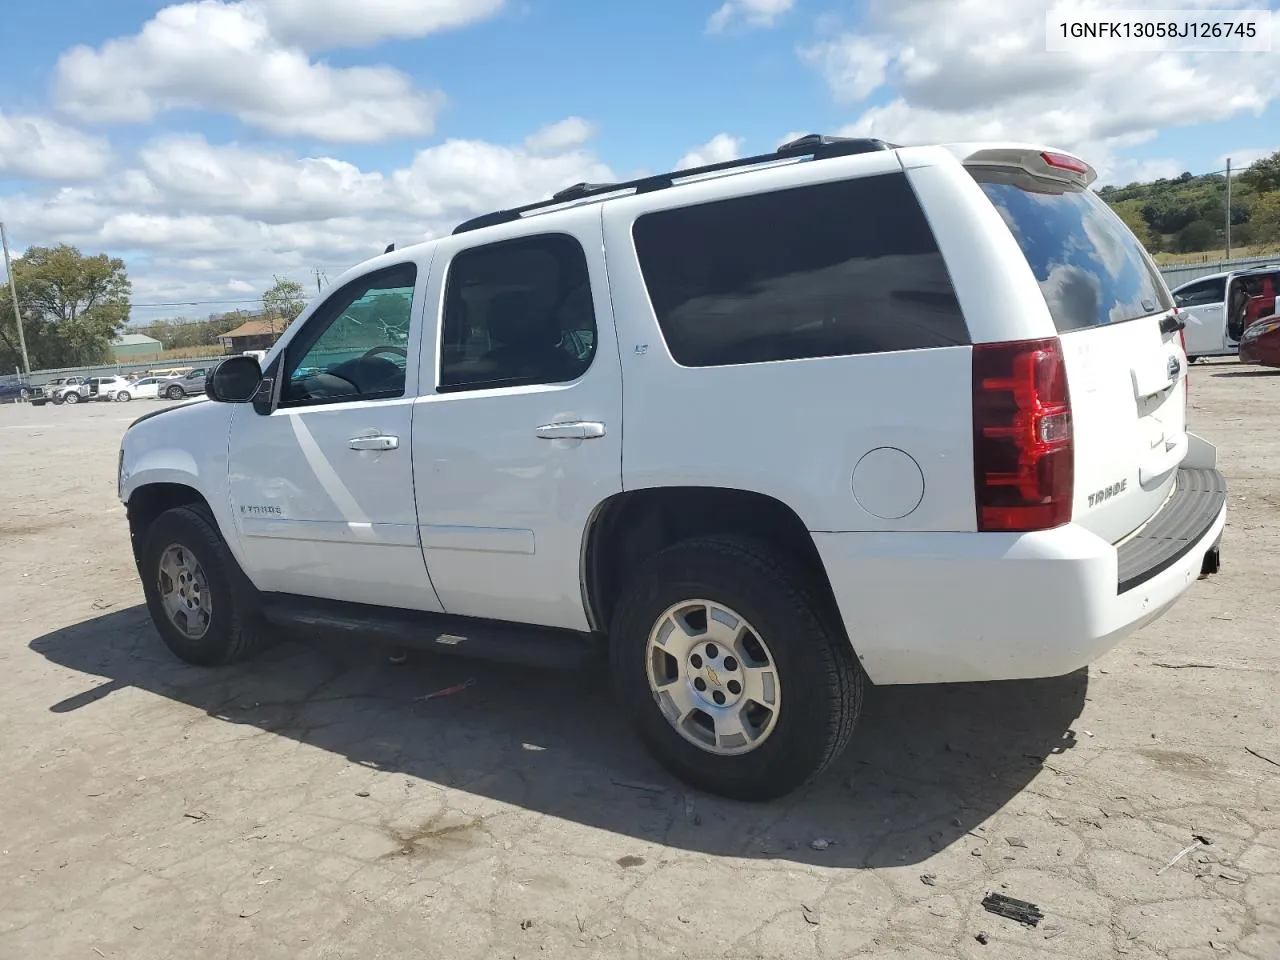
x=194, y=303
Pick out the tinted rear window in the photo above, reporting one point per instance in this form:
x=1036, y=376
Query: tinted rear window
x=827, y=270
x=1091, y=269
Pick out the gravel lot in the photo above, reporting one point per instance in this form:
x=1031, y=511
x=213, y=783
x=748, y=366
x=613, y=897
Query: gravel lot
x=310, y=804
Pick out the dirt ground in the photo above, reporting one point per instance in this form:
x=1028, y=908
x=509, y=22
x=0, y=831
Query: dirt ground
x=311, y=804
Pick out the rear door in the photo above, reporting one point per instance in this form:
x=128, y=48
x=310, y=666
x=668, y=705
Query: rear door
x=1203, y=306
x=521, y=438
x=1125, y=364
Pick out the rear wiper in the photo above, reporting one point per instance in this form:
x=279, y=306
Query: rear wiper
x=1172, y=323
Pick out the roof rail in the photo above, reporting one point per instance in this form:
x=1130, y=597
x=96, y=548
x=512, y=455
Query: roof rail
x=815, y=146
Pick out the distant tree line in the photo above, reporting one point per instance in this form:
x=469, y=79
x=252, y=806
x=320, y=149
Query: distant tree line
x=1187, y=214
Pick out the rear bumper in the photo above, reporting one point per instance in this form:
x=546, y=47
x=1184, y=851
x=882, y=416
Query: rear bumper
x=958, y=607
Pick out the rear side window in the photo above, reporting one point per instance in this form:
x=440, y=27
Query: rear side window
x=827, y=270
x=1091, y=269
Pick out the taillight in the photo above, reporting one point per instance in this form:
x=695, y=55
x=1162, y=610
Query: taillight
x=1023, y=450
x=1064, y=161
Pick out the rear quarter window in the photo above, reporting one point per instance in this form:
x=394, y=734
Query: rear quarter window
x=1090, y=267
x=832, y=269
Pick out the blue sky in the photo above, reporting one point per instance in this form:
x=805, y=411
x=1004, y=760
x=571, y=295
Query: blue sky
x=216, y=143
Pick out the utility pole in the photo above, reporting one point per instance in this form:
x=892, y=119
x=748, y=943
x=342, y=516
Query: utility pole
x=1228, y=231
x=13, y=291
x=319, y=274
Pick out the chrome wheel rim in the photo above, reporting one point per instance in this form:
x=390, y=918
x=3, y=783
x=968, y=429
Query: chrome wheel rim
x=713, y=677
x=184, y=591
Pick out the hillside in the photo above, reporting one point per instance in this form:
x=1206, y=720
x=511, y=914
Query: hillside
x=1187, y=214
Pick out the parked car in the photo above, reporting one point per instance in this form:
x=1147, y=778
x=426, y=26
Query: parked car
x=187, y=385
x=898, y=415
x=1261, y=343
x=13, y=389
x=145, y=388
x=110, y=388
x=67, y=390
x=1218, y=308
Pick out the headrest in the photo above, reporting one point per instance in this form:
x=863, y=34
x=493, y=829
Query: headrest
x=516, y=320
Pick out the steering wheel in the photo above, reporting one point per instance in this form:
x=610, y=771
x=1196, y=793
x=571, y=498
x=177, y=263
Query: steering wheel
x=385, y=348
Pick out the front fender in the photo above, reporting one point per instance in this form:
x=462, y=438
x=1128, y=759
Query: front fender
x=184, y=445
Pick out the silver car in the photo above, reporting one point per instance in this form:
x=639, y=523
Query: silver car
x=188, y=385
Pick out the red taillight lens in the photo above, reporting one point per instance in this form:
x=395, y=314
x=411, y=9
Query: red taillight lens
x=1023, y=451
x=1064, y=162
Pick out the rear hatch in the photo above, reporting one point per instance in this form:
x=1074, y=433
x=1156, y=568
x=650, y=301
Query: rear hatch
x=1126, y=370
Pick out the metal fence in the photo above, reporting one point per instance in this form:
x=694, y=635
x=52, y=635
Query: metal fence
x=1178, y=274
x=40, y=377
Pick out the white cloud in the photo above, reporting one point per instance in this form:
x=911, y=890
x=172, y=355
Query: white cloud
x=42, y=149
x=754, y=13
x=198, y=221
x=222, y=57
x=719, y=149
x=987, y=76
x=326, y=24
x=1244, y=156
x=556, y=137
x=854, y=66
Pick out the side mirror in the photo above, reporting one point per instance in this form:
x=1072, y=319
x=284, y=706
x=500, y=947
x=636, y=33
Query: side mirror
x=235, y=380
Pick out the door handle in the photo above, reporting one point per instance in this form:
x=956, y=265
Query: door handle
x=576, y=430
x=374, y=443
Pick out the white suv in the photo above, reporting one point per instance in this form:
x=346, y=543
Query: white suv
x=762, y=430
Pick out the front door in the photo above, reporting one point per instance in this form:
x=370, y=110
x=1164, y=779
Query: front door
x=1203, y=307
x=321, y=478
x=522, y=436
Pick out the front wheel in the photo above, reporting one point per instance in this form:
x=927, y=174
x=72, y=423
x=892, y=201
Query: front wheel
x=175, y=392
x=122, y=396
x=191, y=584
x=72, y=397
x=730, y=671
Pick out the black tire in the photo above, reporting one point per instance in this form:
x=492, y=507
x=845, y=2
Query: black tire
x=122, y=396
x=175, y=392
x=1192, y=359
x=818, y=673
x=236, y=629
x=71, y=397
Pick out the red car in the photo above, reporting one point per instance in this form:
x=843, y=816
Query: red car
x=1260, y=342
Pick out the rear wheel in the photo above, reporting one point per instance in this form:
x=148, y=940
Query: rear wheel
x=203, y=611
x=731, y=672
x=175, y=392
x=71, y=397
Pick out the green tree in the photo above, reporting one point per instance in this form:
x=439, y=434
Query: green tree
x=72, y=307
x=1265, y=221
x=1263, y=175
x=1196, y=236
x=284, y=301
x=1130, y=211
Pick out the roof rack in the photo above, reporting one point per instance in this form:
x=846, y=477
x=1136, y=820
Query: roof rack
x=814, y=146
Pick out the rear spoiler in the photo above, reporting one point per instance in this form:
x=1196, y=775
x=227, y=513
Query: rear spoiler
x=1046, y=163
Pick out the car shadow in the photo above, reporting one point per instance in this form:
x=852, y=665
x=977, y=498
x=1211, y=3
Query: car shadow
x=927, y=764
x=1248, y=373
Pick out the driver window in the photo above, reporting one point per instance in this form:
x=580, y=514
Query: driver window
x=355, y=346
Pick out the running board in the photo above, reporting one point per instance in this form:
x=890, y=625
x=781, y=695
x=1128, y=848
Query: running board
x=496, y=640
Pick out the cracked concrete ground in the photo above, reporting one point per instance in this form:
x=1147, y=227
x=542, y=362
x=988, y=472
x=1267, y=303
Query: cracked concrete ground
x=309, y=804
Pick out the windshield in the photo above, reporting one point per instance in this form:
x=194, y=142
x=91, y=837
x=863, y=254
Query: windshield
x=1090, y=267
